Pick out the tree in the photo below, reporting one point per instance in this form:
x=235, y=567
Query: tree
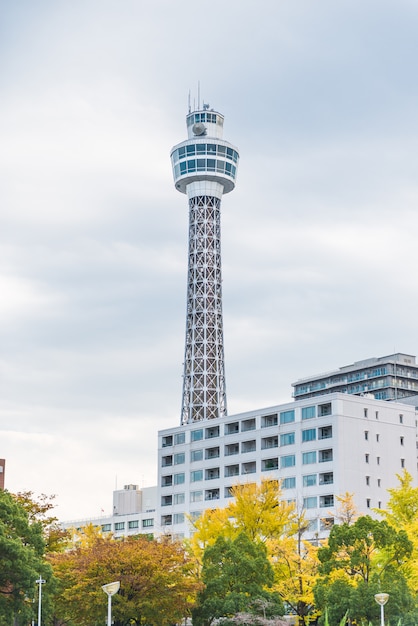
x=22, y=550
x=360, y=560
x=236, y=573
x=295, y=564
x=156, y=582
x=39, y=511
x=257, y=510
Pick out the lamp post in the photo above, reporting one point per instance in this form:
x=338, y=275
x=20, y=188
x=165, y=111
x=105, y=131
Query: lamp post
x=110, y=589
x=40, y=582
x=382, y=598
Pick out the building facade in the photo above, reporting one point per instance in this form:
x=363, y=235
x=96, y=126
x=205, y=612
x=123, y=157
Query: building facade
x=134, y=512
x=392, y=377
x=319, y=448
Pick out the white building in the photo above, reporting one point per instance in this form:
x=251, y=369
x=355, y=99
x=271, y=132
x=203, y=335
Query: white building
x=134, y=512
x=319, y=448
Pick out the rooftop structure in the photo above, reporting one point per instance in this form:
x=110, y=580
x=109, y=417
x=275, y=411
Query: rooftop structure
x=392, y=377
x=204, y=168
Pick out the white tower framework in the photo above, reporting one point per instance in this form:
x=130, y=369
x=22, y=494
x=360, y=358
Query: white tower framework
x=204, y=168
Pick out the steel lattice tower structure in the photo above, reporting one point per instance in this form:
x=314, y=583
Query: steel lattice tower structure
x=204, y=168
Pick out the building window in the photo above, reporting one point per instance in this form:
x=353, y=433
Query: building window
x=289, y=483
x=231, y=470
x=178, y=498
x=167, y=441
x=178, y=518
x=231, y=448
x=310, y=503
x=147, y=523
x=167, y=461
x=287, y=461
x=179, y=458
x=366, y=458
x=366, y=435
x=378, y=460
x=196, y=496
x=368, y=481
x=232, y=428
x=400, y=418
x=309, y=457
x=228, y=492
x=166, y=520
x=401, y=439
x=179, y=438
x=166, y=481
x=377, y=437
x=287, y=416
x=326, y=523
x=309, y=480
x=106, y=528
x=196, y=475
x=248, y=446
x=194, y=515
x=211, y=473
x=402, y=463
x=325, y=432
x=166, y=500
x=325, y=455
x=327, y=478
x=212, y=432
x=196, y=455
x=368, y=503
x=212, y=453
x=309, y=434
x=379, y=504
x=269, y=464
x=249, y=468
x=133, y=524
x=308, y=412
x=312, y=525
x=326, y=501
x=269, y=442
x=287, y=439
x=179, y=478
x=120, y=526
x=324, y=409
x=378, y=482
x=377, y=415
x=196, y=435
x=212, y=494
x=248, y=425
x=365, y=412
x=268, y=420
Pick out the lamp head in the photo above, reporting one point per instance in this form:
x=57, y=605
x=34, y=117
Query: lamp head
x=111, y=588
x=381, y=598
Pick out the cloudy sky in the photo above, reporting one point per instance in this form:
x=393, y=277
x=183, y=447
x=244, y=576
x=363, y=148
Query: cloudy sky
x=319, y=239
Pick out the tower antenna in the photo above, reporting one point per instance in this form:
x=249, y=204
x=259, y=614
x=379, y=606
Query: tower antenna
x=189, y=102
x=198, y=95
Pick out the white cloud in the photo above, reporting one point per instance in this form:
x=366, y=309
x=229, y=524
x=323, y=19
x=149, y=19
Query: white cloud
x=318, y=237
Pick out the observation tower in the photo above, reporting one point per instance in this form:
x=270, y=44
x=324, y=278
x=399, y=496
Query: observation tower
x=204, y=168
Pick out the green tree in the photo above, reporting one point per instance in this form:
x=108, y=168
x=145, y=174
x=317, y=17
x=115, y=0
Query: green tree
x=236, y=573
x=360, y=560
x=22, y=549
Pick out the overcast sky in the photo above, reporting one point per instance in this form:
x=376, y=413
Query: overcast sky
x=319, y=238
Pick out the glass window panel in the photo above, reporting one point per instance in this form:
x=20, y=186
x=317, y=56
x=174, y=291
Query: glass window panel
x=287, y=439
x=287, y=416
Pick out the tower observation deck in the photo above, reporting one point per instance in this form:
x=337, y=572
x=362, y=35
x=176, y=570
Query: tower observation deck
x=204, y=168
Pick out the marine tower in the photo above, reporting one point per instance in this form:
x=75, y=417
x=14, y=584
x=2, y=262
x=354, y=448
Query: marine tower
x=204, y=168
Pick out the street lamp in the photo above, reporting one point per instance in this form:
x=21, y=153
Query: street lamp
x=382, y=598
x=110, y=589
x=40, y=582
